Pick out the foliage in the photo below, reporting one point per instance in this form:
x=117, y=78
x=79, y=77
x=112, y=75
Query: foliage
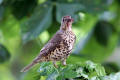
x=26, y=25
x=115, y=76
x=83, y=71
x=103, y=31
x=37, y=22
x=4, y=54
x=43, y=13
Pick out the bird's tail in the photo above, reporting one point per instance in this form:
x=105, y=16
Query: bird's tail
x=28, y=67
x=35, y=61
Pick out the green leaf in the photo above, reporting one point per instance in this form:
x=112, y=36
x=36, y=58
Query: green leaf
x=9, y=22
x=53, y=75
x=93, y=6
x=85, y=29
x=53, y=28
x=93, y=50
x=46, y=69
x=90, y=66
x=38, y=22
x=100, y=70
x=111, y=67
x=115, y=76
x=1, y=12
x=103, y=31
x=22, y=8
x=97, y=69
x=81, y=73
x=69, y=72
x=72, y=9
x=86, y=70
x=4, y=54
x=10, y=31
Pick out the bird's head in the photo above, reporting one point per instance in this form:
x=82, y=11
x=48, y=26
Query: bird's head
x=66, y=23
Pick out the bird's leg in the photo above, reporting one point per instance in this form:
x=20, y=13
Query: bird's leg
x=64, y=62
x=54, y=63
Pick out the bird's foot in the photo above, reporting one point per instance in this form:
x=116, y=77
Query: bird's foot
x=55, y=65
x=64, y=63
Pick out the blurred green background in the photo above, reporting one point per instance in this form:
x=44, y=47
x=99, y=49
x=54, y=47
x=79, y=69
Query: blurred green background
x=26, y=25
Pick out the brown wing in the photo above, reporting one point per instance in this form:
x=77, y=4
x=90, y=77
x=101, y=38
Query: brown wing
x=51, y=45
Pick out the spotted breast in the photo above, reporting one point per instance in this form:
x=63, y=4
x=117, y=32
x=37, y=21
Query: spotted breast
x=64, y=48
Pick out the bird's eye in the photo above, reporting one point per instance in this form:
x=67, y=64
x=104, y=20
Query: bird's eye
x=65, y=19
x=68, y=20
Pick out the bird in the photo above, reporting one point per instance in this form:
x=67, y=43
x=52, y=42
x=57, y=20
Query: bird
x=58, y=47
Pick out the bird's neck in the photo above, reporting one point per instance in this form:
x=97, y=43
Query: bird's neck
x=65, y=31
x=66, y=28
